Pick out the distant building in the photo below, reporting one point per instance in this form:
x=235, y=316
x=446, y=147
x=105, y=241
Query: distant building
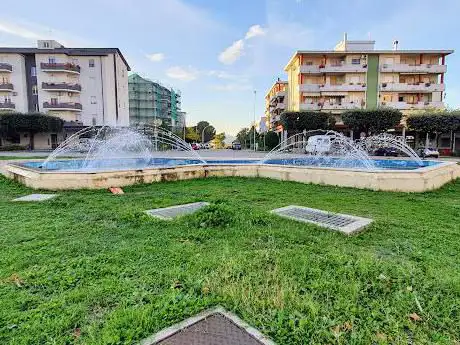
x=356, y=76
x=150, y=101
x=83, y=86
x=276, y=101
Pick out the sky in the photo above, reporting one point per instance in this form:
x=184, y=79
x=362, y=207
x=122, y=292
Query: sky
x=218, y=52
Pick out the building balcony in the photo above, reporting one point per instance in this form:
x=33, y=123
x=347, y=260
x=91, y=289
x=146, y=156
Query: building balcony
x=278, y=94
x=60, y=67
x=408, y=106
x=7, y=106
x=310, y=106
x=63, y=106
x=343, y=87
x=8, y=87
x=5, y=67
x=309, y=87
x=61, y=87
x=403, y=87
x=341, y=106
x=280, y=106
x=406, y=68
x=336, y=68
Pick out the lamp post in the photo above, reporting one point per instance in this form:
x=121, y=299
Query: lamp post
x=202, y=133
x=254, y=128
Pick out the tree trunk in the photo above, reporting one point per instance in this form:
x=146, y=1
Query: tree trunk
x=31, y=141
x=427, y=140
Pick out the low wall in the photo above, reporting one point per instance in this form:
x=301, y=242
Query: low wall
x=419, y=180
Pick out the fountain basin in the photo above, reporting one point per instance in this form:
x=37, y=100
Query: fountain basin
x=389, y=175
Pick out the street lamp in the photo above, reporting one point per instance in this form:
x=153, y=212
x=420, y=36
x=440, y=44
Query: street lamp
x=254, y=128
x=202, y=133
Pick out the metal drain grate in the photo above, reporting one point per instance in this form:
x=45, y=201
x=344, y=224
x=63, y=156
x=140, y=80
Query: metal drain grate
x=36, y=197
x=213, y=327
x=340, y=222
x=172, y=212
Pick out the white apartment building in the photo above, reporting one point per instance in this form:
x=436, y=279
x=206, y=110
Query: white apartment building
x=83, y=86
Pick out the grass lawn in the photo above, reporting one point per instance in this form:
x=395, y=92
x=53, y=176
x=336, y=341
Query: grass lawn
x=90, y=268
x=7, y=158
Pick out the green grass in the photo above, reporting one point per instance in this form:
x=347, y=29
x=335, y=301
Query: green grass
x=90, y=268
x=7, y=158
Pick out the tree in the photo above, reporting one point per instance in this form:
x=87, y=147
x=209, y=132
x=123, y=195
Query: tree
x=372, y=120
x=271, y=140
x=191, y=136
x=14, y=123
x=218, y=141
x=436, y=122
x=209, y=131
x=298, y=121
x=243, y=137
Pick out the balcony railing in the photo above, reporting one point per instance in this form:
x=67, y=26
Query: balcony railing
x=6, y=87
x=333, y=68
x=63, y=106
x=61, y=87
x=309, y=87
x=343, y=87
x=418, y=105
x=404, y=87
x=7, y=105
x=5, y=67
x=342, y=106
x=406, y=68
x=60, y=67
x=310, y=106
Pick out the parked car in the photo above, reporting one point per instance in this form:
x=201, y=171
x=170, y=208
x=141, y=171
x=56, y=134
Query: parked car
x=428, y=152
x=195, y=146
x=319, y=144
x=236, y=145
x=387, y=151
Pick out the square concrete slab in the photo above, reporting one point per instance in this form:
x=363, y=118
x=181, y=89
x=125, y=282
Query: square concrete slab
x=36, y=197
x=213, y=327
x=345, y=223
x=169, y=213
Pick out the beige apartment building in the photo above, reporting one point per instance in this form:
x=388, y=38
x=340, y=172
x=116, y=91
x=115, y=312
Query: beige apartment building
x=276, y=101
x=355, y=75
x=83, y=86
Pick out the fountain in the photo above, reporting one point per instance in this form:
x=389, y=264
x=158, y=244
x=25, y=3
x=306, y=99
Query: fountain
x=320, y=148
x=370, y=144
x=118, y=148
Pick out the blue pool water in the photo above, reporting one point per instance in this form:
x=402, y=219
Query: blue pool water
x=136, y=164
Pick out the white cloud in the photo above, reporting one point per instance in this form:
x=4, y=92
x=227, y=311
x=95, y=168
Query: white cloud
x=155, y=57
x=232, y=53
x=254, y=31
x=182, y=73
x=21, y=31
x=227, y=76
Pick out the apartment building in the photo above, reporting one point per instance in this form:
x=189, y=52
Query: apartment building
x=83, y=86
x=150, y=101
x=276, y=101
x=355, y=75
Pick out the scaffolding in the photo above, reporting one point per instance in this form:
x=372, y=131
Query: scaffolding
x=150, y=101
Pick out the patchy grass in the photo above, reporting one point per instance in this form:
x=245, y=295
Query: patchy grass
x=90, y=268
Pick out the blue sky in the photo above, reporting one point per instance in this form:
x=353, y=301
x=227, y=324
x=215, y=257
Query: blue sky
x=218, y=51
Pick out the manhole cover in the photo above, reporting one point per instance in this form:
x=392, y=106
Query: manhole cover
x=36, y=197
x=212, y=327
x=169, y=213
x=340, y=222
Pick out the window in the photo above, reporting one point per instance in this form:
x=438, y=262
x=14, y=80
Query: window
x=34, y=90
x=400, y=99
x=51, y=59
x=46, y=44
x=33, y=71
x=355, y=61
x=54, y=101
x=93, y=100
x=91, y=62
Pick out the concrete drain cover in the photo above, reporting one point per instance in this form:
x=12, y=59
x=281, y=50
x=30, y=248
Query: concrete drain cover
x=36, y=197
x=213, y=327
x=169, y=213
x=335, y=221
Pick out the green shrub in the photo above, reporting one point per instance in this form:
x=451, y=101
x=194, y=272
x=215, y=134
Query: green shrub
x=214, y=216
x=13, y=147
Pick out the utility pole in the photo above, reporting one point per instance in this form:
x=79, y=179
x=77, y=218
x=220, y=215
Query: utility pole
x=254, y=128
